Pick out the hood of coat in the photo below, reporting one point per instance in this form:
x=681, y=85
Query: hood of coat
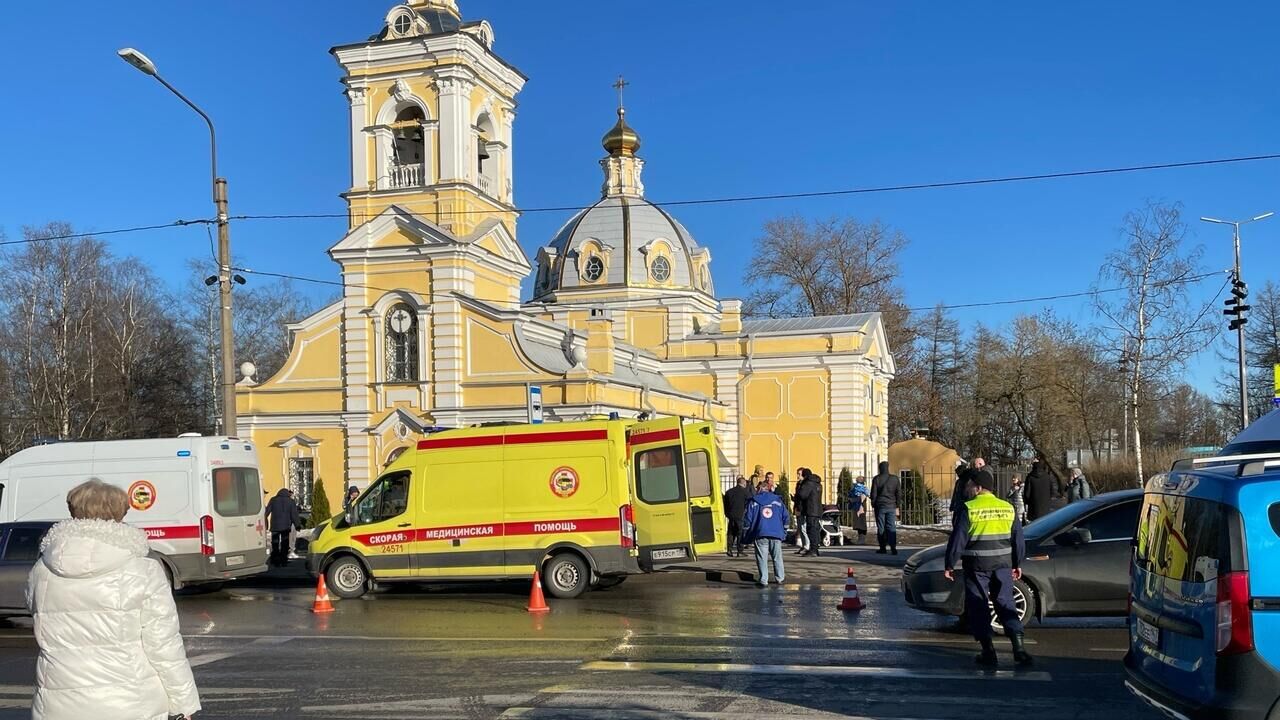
x=87, y=548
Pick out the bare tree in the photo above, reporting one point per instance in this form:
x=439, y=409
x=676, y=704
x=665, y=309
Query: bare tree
x=1151, y=325
x=839, y=266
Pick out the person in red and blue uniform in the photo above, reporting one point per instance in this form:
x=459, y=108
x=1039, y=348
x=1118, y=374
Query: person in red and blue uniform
x=765, y=525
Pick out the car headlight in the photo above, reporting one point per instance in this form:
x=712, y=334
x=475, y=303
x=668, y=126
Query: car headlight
x=937, y=564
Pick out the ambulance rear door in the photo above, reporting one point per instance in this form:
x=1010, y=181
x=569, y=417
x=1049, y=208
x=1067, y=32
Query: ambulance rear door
x=701, y=470
x=664, y=532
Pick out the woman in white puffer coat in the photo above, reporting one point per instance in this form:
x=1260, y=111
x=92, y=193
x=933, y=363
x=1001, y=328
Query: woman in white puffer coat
x=105, y=620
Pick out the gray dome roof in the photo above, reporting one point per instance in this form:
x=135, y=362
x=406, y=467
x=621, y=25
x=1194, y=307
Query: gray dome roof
x=627, y=231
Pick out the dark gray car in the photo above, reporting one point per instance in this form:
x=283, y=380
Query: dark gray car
x=19, y=550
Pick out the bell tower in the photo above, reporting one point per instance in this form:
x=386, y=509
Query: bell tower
x=432, y=109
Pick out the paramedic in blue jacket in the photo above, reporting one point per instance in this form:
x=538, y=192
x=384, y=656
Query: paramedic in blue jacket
x=765, y=525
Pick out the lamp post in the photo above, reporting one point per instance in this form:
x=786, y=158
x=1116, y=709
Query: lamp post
x=229, y=420
x=1237, y=307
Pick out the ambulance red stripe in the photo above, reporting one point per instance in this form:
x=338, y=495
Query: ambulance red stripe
x=489, y=530
x=179, y=532
x=655, y=436
x=522, y=439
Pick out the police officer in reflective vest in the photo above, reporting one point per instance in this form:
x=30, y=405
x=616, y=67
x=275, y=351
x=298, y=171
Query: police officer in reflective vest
x=987, y=540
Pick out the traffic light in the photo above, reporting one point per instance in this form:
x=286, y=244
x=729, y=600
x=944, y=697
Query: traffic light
x=1235, y=304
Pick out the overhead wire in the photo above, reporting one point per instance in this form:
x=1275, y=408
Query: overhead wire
x=820, y=193
x=116, y=231
x=958, y=306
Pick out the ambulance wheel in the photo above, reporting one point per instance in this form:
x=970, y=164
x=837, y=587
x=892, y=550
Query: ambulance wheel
x=347, y=578
x=565, y=576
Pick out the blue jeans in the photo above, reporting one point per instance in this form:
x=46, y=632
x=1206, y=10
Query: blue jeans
x=887, y=528
x=769, y=548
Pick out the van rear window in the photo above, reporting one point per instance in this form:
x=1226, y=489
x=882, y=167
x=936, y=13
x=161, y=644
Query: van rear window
x=658, y=475
x=698, y=466
x=1184, y=539
x=236, y=492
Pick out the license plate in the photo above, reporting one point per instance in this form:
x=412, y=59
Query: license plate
x=1149, y=633
x=234, y=560
x=671, y=554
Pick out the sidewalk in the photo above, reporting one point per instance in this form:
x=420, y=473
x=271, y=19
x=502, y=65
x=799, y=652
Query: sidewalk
x=821, y=569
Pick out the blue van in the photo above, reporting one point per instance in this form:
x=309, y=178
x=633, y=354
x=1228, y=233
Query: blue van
x=1204, y=616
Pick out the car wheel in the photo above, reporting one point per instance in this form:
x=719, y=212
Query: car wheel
x=565, y=576
x=347, y=578
x=1023, y=599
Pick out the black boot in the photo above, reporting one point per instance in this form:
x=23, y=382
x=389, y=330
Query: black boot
x=987, y=658
x=1020, y=654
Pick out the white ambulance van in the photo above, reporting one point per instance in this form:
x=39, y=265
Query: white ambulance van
x=199, y=499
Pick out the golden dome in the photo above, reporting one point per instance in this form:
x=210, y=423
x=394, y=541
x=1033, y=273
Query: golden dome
x=621, y=139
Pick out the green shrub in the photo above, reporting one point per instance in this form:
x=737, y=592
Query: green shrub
x=321, y=510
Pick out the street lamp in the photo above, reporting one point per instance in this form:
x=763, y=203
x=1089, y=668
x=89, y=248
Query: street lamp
x=1235, y=306
x=224, y=279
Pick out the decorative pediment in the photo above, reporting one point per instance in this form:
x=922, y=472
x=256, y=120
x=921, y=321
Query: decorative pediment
x=493, y=235
x=393, y=227
x=402, y=421
x=297, y=440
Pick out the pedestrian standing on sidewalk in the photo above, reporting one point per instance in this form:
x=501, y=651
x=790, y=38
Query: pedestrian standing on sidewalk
x=987, y=543
x=1016, y=500
x=282, y=517
x=797, y=509
x=735, y=507
x=1078, y=486
x=809, y=499
x=886, y=498
x=105, y=621
x=859, y=506
x=765, y=526
x=1038, y=491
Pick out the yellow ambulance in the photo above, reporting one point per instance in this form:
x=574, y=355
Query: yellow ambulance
x=586, y=503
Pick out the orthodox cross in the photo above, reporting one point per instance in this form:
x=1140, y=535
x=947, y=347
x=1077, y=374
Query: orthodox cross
x=620, y=85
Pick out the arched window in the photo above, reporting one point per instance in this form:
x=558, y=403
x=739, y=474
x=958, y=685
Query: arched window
x=660, y=269
x=593, y=269
x=402, y=344
x=408, y=148
x=486, y=164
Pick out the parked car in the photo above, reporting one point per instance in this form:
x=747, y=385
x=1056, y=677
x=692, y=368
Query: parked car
x=1077, y=564
x=1204, y=627
x=19, y=551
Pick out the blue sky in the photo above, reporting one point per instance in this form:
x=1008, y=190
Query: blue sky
x=729, y=98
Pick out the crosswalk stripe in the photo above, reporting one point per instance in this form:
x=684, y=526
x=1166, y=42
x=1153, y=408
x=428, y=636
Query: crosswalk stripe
x=815, y=670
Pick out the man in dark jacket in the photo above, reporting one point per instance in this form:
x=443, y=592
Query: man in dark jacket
x=1038, y=491
x=765, y=525
x=735, y=506
x=886, y=498
x=797, y=509
x=809, y=505
x=282, y=518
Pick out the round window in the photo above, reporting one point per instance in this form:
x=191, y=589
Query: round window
x=594, y=269
x=660, y=269
x=403, y=23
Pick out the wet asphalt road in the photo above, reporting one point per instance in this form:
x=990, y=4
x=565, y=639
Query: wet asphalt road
x=653, y=647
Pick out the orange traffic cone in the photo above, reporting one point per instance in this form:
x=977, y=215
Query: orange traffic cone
x=851, y=602
x=322, y=604
x=537, y=603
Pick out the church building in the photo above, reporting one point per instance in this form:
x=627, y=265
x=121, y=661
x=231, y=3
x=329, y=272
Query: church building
x=432, y=331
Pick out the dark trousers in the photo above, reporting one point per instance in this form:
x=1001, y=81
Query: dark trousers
x=998, y=586
x=735, y=536
x=279, y=547
x=814, y=525
x=887, y=528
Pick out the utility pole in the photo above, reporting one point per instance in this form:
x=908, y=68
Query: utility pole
x=225, y=277
x=1237, y=308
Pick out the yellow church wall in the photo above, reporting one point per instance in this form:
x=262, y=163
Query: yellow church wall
x=329, y=458
x=785, y=421
x=313, y=360
x=491, y=352
x=267, y=402
x=701, y=383
x=401, y=275
x=647, y=329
